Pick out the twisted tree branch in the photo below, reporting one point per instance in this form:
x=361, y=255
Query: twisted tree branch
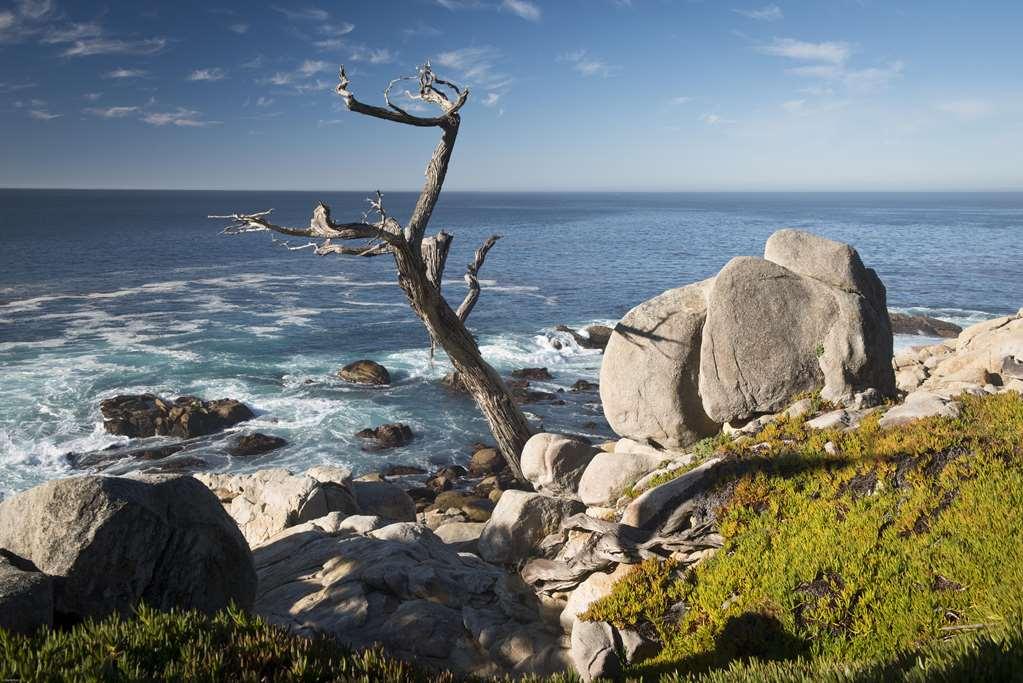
x=471, y=279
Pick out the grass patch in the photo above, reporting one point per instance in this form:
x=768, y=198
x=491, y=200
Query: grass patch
x=190, y=646
x=896, y=540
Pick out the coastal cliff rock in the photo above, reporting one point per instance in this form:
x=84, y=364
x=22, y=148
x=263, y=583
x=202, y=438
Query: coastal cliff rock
x=111, y=542
x=403, y=587
x=141, y=415
x=649, y=379
x=519, y=521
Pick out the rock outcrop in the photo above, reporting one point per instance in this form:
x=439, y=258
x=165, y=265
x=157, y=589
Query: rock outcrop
x=111, y=542
x=266, y=502
x=141, y=415
x=406, y=589
x=989, y=353
x=248, y=445
x=387, y=435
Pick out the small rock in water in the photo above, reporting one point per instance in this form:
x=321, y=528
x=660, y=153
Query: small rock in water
x=585, y=385
x=595, y=337
x=904, y=323
x=388, y=435
x=532, y=373
x=255, y=444
x=365, y=372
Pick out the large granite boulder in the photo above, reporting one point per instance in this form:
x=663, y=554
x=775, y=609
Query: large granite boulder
x=266, y=502
x=649, y=379
x=811, y=317
x=26, y=595
x=520, y=521
x=111, y=542
x=141, y=415
x=554, y=463
x=406, y=589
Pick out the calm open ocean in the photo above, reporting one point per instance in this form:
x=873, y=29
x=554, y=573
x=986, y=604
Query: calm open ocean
x=110, y=292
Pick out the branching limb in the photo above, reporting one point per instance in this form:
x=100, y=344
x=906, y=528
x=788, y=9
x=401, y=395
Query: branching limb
x=472, y=279
x=427, y=92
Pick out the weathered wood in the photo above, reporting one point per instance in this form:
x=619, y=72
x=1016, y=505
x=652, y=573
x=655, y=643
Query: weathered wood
x=419, y=260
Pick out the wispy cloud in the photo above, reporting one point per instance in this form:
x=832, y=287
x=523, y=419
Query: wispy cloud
x=311, y=67
x=264, y=101
x=491, y=99
x=125, y=73
x=114, y=46
x=240, y=28
x=15, y=87
x=835, y=52
x=372, y=55
x=588, y=65
x=111, y=112
x=712, y=119
x=765, y=13
x=306, y=14
x=680, y=100
x=212, y=74
x=477, y=67
x=92, y=96
x=421, y=30
x=523, y=8
x=967, y=109
x=804, y=107
x=43, y=115
x=185, y=118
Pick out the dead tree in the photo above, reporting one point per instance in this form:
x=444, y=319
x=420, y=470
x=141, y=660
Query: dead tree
x=419, y=259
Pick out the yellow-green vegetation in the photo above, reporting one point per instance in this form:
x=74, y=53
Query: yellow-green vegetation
x=190, y=646
x=887, y=542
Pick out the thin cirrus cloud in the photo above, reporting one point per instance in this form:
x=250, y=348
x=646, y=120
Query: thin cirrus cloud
x=522, y=8
x=766, y=13
x=587, y=65
x=371, y=55
x=833, y=52
x=125, y=73
x=43, y=115
x=183, y=118
x=86, y=39
x=239, y=28
x=212, y=74
x=110, y=112
x=305, y=14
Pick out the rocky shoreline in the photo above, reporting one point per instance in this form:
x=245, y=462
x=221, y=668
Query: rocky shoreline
x=489, y=578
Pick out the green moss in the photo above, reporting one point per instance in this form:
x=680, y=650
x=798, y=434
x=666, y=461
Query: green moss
x=897, y=539
x=189, y=646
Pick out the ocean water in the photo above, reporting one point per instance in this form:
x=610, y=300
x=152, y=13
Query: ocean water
x=111, y=292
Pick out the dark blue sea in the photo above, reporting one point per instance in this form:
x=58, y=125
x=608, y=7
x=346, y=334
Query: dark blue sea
x=111, y=292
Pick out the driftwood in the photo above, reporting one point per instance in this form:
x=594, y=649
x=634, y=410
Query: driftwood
x=609, y=544
x=419, y=260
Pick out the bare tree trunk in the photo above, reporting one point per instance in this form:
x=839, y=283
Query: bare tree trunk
x=420, y=260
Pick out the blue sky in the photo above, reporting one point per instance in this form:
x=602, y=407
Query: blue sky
x=566, y=94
